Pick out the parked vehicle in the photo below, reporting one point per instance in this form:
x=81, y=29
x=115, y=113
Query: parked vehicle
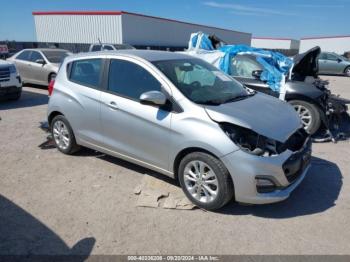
x=293, y=81
x=310, y=99
x=332, y=63
x=39, y=66
x=347, y=55
x=109, y=47
x=182, y=117
x=4, y=51
x=10, y=81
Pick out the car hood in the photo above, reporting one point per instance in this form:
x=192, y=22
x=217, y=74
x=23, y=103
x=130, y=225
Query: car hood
x=266, y=115
x=5, y=63
x=306, y=64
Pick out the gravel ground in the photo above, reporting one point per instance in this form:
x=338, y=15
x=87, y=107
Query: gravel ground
x=56, y=204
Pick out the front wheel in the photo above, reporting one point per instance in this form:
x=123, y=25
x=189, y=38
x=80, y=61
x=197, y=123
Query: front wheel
x=52, y=76
x=205, y=180
x=347, y=71
x=309, y=115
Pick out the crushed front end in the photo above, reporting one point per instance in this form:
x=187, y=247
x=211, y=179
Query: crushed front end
x=334, y=108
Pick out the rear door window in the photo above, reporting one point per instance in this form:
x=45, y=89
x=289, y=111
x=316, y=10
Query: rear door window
x=25, y=56
x=86, y=72
x=107, y=47
x=331, y=57
x=130, y=80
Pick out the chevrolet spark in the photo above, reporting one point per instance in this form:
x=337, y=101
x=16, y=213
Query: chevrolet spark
x=182, y=117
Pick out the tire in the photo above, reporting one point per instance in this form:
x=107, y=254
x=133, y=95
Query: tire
x=219, y=181
x=63, y=135
x=309, y=114
x=16, y=96
x=347, y=71
x=51, y=77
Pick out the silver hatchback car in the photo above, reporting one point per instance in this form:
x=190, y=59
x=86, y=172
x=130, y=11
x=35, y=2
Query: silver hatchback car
x=182, y=117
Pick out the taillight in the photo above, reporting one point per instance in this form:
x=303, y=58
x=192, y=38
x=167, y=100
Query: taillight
x=50, y=88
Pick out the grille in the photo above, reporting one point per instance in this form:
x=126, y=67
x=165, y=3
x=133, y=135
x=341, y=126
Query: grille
x=4, y=74
x=296, y=164
x=295, y=142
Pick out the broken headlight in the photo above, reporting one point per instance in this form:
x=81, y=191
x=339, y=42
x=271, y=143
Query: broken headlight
x=250, y=141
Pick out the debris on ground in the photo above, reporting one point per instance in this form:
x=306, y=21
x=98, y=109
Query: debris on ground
x=156, y=193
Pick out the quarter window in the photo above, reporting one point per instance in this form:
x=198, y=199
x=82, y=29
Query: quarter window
x=87, y=72
x=24, y=56
x=130, y=80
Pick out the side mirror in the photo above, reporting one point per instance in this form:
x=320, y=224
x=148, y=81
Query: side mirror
x=339, y=60
x=153, y=98
x=40, y=61
x=257, y=73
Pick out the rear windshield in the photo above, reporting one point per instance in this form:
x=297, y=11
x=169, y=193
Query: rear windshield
x=56, y=56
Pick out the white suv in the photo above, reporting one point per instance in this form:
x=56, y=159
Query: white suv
x=10, y=81
x=109, y=47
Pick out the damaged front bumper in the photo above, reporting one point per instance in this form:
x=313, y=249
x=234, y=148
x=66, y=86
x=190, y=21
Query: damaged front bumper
x=337, y=105
x=285, y=171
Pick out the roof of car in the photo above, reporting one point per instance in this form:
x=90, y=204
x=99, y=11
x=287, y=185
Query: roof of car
x=44, y=49
x=149, y=55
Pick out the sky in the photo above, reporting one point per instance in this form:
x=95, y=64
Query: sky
x=262, y=18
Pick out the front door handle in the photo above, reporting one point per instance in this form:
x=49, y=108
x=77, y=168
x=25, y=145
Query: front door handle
x=113, y=105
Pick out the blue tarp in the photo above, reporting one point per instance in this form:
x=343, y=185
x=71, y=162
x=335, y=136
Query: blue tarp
x=275, y=64
x=204, y=44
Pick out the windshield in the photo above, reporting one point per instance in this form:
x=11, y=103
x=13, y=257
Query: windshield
x=56, y=56
x=201, y=82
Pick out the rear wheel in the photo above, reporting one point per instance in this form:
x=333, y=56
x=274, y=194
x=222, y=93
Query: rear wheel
x=205, y=180
x=63, y=135
x=309, y=115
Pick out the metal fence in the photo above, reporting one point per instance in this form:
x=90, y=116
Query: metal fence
x=15, y=46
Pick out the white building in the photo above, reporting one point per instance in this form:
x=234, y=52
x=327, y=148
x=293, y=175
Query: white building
x=123, y=27
x=283, y=44
x=337, y=44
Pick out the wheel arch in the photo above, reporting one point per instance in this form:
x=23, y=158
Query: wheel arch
x=305, y=99
x=52, y=115
x=184, y=152
x=49, y=76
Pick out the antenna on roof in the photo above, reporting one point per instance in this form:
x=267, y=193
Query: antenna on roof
x=99, y=40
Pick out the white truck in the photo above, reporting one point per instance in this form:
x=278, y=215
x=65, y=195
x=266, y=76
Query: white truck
x=10, y=81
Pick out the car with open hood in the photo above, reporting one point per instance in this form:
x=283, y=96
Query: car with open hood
x=184, y=118
x=295, y=81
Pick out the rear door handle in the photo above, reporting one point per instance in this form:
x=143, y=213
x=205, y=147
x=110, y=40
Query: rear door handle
x=113, y=105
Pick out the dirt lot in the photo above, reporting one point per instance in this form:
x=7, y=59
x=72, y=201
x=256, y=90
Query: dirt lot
x=56, y=204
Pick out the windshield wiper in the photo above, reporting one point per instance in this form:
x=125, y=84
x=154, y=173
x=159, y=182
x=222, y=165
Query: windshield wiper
x=210, y=102
x=239, y=97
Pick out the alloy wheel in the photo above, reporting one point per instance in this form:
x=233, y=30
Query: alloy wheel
x=347, y=71
x=201, y=181
x=61, y=135
x=304, y=114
